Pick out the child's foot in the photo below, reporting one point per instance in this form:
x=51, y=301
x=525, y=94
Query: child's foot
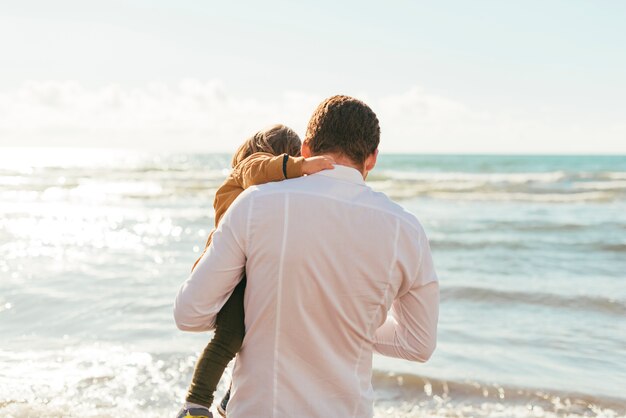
x=221, y=408
x=196, y=412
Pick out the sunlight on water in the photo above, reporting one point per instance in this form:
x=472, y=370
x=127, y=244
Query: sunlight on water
x=26, y=160
x=108, y=380
x=92, y=381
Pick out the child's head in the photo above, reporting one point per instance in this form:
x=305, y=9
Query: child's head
x=277, y=140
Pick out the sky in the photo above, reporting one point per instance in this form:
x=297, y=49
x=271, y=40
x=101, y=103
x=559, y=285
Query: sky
x=455, y=77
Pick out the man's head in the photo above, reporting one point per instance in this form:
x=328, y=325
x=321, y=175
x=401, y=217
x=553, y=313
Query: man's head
x=346, y=127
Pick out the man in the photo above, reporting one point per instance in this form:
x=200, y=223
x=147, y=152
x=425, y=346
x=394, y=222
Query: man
x=335, y=271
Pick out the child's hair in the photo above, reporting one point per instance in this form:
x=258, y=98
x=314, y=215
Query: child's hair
x=277, y=139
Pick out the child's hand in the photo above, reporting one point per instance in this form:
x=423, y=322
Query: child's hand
x=314, y=164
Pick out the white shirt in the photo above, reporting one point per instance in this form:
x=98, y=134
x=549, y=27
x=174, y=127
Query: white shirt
x=334, y=271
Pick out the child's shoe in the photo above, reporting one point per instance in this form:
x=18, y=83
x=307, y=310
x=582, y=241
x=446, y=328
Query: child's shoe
x=200, y=412
x=221, y=408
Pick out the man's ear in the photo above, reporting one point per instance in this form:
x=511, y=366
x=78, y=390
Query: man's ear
x=370, y=161
x=305, y=151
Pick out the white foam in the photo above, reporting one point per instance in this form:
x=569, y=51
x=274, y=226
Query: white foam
x=519, y=178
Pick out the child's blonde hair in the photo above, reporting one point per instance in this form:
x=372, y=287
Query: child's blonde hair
x=277, y=139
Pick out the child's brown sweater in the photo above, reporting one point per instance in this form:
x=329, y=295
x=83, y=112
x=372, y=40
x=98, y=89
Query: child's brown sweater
x=259, y=168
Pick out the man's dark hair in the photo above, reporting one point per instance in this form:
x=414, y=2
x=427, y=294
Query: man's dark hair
x=344, y=125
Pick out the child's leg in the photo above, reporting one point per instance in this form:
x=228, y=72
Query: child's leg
x=229, y=332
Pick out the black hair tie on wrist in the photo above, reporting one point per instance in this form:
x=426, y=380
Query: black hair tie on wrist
x=285, y=159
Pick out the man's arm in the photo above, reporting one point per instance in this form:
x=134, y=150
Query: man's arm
x=262, y=167
x=410, y=331
x=217, y=273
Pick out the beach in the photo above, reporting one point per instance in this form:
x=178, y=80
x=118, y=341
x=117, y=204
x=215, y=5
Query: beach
x=530, y=253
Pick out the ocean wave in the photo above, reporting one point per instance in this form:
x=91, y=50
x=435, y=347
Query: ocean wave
x=453, y=242
x=585, y=303
x=108, y=380
x=439, y=244
x=514, y=178
x=613, y=185
x=543, y=226
x=92, y=380
x=419, y=396
x=503, y=196
x=556, y=186
x=114, y=189
x=557, y=176
x=618, y=248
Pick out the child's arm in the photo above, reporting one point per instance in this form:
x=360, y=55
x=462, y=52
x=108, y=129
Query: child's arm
x=261, y=167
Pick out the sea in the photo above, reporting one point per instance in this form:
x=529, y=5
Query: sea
x=530, y=253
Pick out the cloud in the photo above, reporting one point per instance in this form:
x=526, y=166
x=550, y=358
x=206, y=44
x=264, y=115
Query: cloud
x=203, y=115
x=189, y=115
x=421, y=122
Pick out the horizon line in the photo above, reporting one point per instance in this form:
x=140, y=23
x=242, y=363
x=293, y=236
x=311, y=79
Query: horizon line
x=390, y=153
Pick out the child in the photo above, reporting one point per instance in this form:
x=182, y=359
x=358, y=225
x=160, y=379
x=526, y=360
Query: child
x=270, y=155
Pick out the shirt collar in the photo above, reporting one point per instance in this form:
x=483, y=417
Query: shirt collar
x=343, y=172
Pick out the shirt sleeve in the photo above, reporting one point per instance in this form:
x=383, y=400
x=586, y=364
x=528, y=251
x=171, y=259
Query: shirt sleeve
x=261, y=167
x=217, y=273
x=410, y=330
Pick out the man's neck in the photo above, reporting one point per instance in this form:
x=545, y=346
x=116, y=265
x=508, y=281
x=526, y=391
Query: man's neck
x=342, y=160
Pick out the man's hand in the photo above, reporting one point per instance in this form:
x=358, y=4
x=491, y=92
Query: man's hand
x=314, y=164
